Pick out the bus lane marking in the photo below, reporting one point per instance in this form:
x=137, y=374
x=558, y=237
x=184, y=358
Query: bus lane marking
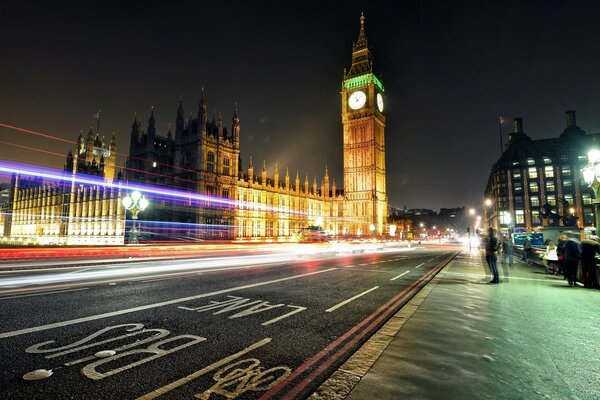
x=185, y=380
x=61, y=324
x=343, y=303
x=235, y=303
x=420, y=265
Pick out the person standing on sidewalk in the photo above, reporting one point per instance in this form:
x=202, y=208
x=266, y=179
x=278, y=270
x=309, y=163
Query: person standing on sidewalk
x=491, y=250
x=526, y=249
x=551, y=258
x=572, y=254
x=589, y=248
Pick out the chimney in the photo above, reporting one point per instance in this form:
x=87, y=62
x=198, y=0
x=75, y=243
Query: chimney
x=570, y=117
x=518, y=125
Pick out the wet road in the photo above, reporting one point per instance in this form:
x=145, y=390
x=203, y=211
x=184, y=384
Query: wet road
x=262, y=327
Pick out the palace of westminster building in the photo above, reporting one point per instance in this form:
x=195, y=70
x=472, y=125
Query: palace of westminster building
x=202, y=156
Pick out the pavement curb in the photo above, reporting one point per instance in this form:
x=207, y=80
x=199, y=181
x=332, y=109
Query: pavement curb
x=342, y=382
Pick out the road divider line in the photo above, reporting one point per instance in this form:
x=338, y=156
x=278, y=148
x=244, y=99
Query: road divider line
x=420, y=265
x=42, y=293
x=54, y=325
x=401, y=275
x=343, y=303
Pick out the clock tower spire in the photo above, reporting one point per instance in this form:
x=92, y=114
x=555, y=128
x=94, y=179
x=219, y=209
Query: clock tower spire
x=363, y=121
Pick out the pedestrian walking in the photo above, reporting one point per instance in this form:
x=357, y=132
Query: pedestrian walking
x=572, y=255
x=526, y=248
x=508, y=250
x=491, y=249
x=551, y=258
x=589, y=248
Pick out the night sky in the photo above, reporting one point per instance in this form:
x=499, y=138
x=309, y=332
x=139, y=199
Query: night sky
x=449, y=69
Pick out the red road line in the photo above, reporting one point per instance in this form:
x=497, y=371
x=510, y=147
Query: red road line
x=385, y=309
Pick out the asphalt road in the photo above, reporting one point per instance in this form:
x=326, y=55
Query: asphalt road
x=254, y=328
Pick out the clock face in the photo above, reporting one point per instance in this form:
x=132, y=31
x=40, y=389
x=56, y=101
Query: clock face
x=357, y=100
x=380, y=102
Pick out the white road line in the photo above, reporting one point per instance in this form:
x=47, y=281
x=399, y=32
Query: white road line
x=343, y=303
x=25, y=331
x=402, y=274
x=42, y=293
x=160, y=279
x=421, y=264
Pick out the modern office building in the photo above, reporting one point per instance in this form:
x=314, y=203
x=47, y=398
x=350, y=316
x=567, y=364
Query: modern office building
x=539, y=182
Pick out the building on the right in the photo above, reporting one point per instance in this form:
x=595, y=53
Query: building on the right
x=539, y=182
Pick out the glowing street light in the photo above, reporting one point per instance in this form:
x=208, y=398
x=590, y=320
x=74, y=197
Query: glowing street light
x=488, y=202
x=471, y=211
x=134, y=202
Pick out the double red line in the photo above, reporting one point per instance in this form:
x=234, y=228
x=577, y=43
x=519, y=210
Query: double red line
x=369, y=323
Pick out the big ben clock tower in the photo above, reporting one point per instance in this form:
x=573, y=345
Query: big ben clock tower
x=363, y=119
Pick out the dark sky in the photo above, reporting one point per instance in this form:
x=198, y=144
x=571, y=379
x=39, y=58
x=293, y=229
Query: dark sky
x=449, y=68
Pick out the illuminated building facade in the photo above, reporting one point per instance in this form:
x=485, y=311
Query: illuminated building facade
x=533, y=173
x=204, y=157
x=68, y=213
x=363, y=119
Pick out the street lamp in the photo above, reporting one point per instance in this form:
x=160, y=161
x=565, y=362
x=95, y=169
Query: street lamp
x=372, y=228
x=134, y=202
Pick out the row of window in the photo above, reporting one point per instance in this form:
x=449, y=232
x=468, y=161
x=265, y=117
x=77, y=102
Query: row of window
x=505, y=218
x=210, y=163
x=532, y=172
x=547, y=160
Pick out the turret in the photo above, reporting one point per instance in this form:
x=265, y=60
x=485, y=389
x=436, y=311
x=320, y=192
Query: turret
x=287, y=179
x=251, y=171
x=135, y=135
x=306, y=184
x=151, y=133
x=325, y=185
x=180, y=120
x=202, y=115
x=235, y=128
x=315, y=185
x=264, y=173
x=333, y=188
x=297, y=181
x=276, y=177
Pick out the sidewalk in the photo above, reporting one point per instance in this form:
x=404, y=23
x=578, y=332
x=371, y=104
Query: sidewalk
x=530, y=337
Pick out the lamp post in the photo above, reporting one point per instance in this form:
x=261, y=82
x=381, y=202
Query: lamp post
x=372, y=228
x=134, y=202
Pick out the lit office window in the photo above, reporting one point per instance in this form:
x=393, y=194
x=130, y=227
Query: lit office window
x=547, y=160
x=533, y=173
x=551, y=199
x=587, y=199
x=567, y=183
x=566, y=171
x=535, y=201
x=550, y=186
x=535, y=217
x=549, y=171
x=533, y=187
x=530, y=161
x=519, y=216
x=505, y=218
x=516, y=174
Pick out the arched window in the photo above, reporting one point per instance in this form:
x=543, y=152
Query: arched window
x=225, y=165
x=210, y=162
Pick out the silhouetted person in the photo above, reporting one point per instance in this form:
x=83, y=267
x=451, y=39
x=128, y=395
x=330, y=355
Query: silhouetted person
x=572, y=256
x=551, y=258
x=491, y=249
x=589, y=248
x=507, y=250
x=526, y=248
